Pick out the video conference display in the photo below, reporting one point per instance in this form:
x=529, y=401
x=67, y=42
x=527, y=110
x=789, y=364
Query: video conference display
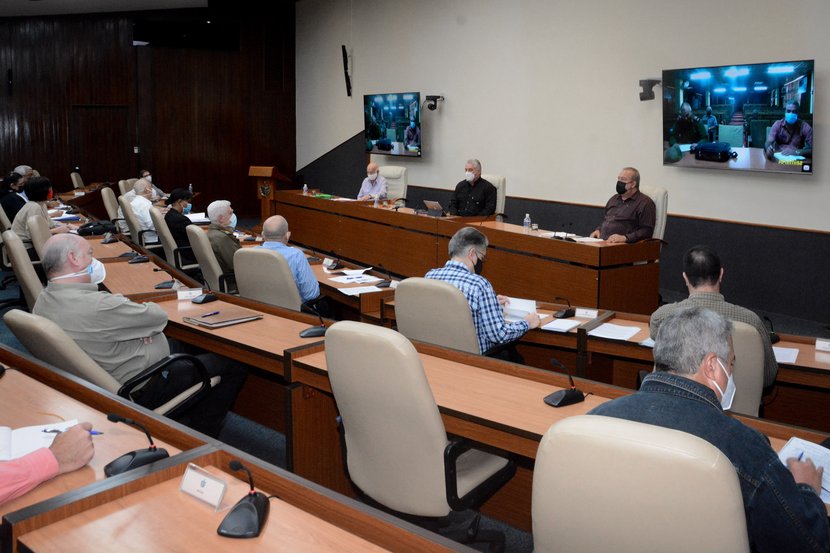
x=754, y=117
x=393, y=123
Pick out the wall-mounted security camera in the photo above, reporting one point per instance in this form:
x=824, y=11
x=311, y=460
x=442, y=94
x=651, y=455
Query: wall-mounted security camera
x=432, y=102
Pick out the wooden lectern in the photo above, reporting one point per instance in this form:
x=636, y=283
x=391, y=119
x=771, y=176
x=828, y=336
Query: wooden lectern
x=269, y=180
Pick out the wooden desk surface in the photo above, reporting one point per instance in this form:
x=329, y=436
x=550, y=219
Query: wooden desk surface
x=107, y=251
x=27, y=402
x=131, y=279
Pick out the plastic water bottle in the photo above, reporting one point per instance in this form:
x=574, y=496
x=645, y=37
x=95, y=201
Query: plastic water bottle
x=305, y=190
x=376, y=200
x=526, y=223
x=190, y=188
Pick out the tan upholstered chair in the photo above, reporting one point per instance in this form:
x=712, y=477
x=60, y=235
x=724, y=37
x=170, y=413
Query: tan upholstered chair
x=77, y=181
x=22, y=266
x=136, y=234
x=748, y=371
x=264, y=275
x=49, y=343
x=4, y=220
x=211, y=271
x=436, y=312
x=111, y=205
x=660, y=196
x=500, y=182
x=172, y=251
x=40, y=233
x=608, y=484
x=397, y=449
x=396, y=181
x=124, y=187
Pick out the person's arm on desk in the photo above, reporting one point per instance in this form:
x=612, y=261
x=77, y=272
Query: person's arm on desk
x=70, y=451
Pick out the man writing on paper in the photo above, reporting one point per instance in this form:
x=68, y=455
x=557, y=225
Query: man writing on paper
x=703, y=274
x=125, y=337
x=689, y=390
x=630, y=215
x=790, y=135
x=275, y=234
x=468, y=251
x=473, y=196
x=373, y=185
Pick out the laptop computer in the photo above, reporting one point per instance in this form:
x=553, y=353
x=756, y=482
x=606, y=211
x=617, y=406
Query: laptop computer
x=434, y=209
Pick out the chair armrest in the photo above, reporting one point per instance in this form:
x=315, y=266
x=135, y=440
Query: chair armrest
x=126, y=389
x=150, y=246
x=223, y=282
x=177, y=256
x=478, y=495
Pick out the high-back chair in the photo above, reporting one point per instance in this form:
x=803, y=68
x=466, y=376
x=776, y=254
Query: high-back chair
x=748, y=371
x=264, y=275
x=40, y=233
x=136, y=233
x=172, y=251
x=111, y=205
x=22, y=266
x=397, y=450
x=733, y=134
x=396, y=181
x=660, y=197
x=123, y=187
x=608, y=484
x=500, y=182
x=436, y=312
x=77, y=181
x=206, y=258
x=49, y=343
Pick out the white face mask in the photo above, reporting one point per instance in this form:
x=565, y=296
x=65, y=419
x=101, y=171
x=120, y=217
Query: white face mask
x=372, y=176
x=148, y=178
x=96, y=270
x=469, y=176
x=726, y=396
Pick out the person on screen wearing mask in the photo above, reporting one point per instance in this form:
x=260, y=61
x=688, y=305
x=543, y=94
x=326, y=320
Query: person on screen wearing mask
x=790, y=135
x=468, y=251
x=373, y=185
x=686, y=129
x=412, y=135
x=177, y=221
x=473, y=196
x=691, y=387
x=629, y=215
x=125, y=337
x=158, y=193
x=222, y=238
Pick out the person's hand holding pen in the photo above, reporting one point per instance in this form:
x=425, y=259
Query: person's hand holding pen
x=73, y=448
x=805, y=472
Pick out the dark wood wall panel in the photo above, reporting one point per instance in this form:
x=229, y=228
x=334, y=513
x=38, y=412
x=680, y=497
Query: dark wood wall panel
x=84, y=95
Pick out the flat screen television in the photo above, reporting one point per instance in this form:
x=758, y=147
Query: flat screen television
x=752, y=117
x=393, y=123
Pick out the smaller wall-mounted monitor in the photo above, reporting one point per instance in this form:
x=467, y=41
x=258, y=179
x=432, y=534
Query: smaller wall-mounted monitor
x=393, y=123
x=754, y=117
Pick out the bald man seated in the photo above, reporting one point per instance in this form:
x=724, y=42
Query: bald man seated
x=125, y=337
x=276, y=235
x=373, y=185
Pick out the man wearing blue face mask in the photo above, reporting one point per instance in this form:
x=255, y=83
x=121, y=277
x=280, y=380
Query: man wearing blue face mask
x=222, y=239
x=689, y=390
x=790, y=135
x=177, y=221
x=412, y=136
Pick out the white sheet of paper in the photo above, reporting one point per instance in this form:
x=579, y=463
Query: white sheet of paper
x=355, y=272
x=785, y=355
x=614, y=332
x=587, y=239
x=22, y=441
x=357, y=290
x=356, y=279
x=648, y=342
x=561, y=325
x=818, y=454
x=199, y=217
x=517, y=308
x=785, y=158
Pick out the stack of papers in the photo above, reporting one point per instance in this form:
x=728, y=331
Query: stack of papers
x=561, y=325
x=587, y=239
x=198, y=218
x=614, y=332
x=20, y=442
x=785, y=355
x=802, y=449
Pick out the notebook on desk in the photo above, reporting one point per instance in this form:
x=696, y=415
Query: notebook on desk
x=227, y=315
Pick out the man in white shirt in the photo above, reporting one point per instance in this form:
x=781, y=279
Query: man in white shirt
x=141, y=205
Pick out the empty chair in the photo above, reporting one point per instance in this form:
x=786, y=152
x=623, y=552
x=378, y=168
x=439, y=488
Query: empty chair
x=608, y=484
x=733, y=134
x=500, y=182
x=111, y=205
x=40, y=233
x=748, y=371
x=49, y=343
x=397, y=451
x=396, y=181
x=436, y=312
x=660, y=197
x=23, y=268
x=77, y=181
x=264, y=275
x=172, y=251
x=211, y=271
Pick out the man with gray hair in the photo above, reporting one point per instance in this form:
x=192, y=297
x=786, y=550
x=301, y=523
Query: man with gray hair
x=468, y=251
x=474, y=196
x=689, y=390
x=141, y=205
x=222, y=239
x=276, y=235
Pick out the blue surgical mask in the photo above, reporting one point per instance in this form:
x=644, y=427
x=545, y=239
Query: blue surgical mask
x=790, y=118
x=187, y=208
x=412, y=124
x=232, y=222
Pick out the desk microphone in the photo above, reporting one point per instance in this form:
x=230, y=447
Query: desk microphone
x=564, y=313
x=314, y=331
x=568, y=396
x=248, y=516
x=137, y=458
x=773, y=337
x=384, y=283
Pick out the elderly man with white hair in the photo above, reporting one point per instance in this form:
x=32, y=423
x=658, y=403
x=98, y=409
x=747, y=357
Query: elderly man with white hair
x=474, y=196
x=141, y=205
x=221, y=236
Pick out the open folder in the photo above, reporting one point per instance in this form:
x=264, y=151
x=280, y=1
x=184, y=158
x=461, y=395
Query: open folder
x=227, y=315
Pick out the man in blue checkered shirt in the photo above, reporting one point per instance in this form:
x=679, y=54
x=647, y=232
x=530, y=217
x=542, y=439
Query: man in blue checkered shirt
x=468, y=250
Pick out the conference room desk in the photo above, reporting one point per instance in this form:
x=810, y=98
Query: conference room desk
x=365, y=307
x=89, y=200
x=518, y=263
x=748, y=159
x=138, y=281
x=113, y=250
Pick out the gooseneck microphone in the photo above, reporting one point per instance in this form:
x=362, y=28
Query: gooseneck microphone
x=137, y=458
x=773, y=337
x=568, y=396
x=248, y=516
x=314, y=331
x=564, y=313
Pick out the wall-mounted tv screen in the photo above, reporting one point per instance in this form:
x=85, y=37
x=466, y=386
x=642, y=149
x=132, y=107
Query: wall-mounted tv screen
x=753, y=117
x=393, y=123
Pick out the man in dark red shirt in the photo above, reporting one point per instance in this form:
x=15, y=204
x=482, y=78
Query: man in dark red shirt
x=629, y=214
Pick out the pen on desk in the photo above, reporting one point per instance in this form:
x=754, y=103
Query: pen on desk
x=211, y=314
x=56, y=431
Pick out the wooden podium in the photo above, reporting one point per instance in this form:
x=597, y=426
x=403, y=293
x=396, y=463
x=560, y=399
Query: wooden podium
x=268, y=181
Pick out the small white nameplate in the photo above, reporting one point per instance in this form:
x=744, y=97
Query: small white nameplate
x=587, y=313
x=188, y=293
x=822, y=345
x=203, y=485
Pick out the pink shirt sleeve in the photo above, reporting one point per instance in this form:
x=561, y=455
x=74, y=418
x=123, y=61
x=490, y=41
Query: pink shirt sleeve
x=21, y=475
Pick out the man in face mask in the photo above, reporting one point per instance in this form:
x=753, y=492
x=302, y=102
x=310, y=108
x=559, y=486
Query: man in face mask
x=790, y=135
x=474, y=196
x=222, y=239
x=629, y=215
x=468, y=251
x=689, y=390
x=373, y=185
x=412, y=136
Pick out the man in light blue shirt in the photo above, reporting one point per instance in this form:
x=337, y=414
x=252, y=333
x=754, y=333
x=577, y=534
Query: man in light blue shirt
x=276, y=235
x=373, y=185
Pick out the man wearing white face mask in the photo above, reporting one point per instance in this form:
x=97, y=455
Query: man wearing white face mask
x=474, y=196
x=689, y=390
x=373, y=185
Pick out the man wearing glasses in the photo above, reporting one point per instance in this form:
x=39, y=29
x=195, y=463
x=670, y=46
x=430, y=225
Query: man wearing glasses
x=629, y=215
x=790, y=135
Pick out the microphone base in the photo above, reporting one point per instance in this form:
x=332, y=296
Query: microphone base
x=561, y=398
x=313, y=332
x=247, y=517
x=135, y=459
x=383, y=284
x=774, y=338
x=565, y=313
